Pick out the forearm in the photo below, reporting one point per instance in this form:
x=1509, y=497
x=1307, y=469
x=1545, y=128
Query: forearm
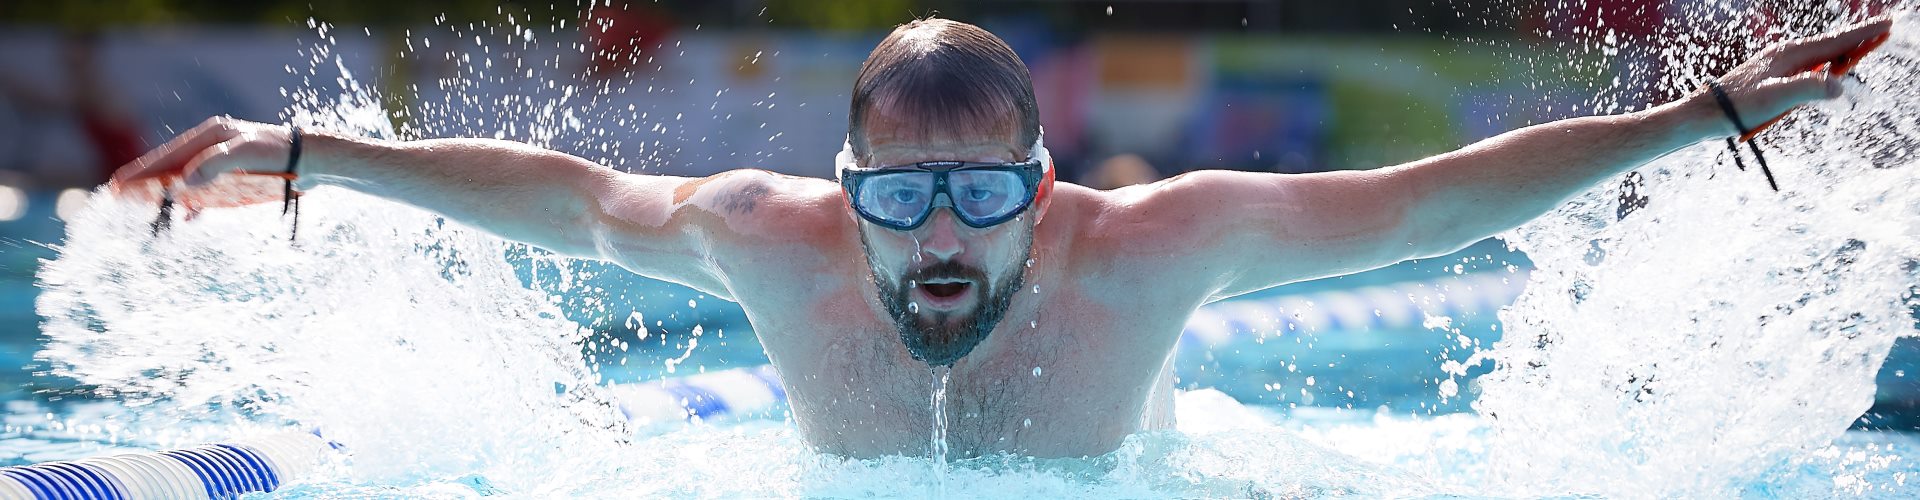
x=517, y=191
x=1503, y=182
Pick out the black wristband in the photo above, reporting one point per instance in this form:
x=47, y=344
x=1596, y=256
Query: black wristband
x=293, y=159
x=290, y=201
x=1740, y=128
x=1726, y=105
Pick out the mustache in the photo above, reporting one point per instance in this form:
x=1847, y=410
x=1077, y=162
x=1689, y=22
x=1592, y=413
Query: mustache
x=947, y=269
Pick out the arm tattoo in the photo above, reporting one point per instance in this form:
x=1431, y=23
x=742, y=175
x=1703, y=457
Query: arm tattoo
x=744, y=199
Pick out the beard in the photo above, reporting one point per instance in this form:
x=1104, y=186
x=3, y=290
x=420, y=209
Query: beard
x=942, y=338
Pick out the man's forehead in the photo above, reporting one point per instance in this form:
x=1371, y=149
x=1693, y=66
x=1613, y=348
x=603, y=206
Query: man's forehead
x=893, y=135
x=883, y=152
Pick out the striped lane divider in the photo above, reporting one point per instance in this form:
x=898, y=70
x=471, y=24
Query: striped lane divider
x=1385, y=307
x=216, y=471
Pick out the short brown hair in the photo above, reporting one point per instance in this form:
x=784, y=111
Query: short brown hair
x=959, y=77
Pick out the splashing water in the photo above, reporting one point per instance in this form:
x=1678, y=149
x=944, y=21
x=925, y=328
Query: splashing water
x=1719, y=330
x=1694, y=347
x=402, y=335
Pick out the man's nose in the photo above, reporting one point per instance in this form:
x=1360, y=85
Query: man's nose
x=943, y=235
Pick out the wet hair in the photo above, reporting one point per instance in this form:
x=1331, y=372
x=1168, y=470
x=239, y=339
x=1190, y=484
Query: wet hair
x=956, y=79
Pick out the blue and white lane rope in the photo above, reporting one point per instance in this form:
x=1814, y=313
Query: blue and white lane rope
x=230, y=469
x=1387, y=307
x=699, y=397
x=215, y=471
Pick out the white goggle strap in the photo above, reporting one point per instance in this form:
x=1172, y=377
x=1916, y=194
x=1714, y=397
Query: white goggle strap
x=845, y=160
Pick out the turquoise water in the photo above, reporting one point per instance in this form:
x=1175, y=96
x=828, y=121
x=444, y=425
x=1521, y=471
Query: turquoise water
x=1222, y=449
x=1634, y=365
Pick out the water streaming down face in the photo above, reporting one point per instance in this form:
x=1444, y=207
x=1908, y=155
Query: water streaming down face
x=1685, y=349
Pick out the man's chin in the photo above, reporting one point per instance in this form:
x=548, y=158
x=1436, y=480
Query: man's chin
x=941, y=354
x=942, y=339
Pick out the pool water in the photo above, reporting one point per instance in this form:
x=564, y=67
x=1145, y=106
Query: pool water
x=1715, y=340
x=1221, y=449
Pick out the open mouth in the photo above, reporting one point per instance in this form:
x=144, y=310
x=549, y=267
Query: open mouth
x=945, y=294
x=948, y=289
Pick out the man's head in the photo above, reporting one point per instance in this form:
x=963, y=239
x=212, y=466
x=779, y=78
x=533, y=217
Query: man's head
x=938, y=90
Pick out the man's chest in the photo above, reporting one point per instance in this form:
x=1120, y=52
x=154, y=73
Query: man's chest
x=1060, y=369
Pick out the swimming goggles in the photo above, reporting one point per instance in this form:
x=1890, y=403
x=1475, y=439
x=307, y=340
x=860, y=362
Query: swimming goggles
x=981, y=195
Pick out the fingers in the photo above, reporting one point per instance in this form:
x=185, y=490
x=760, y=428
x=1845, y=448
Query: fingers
x=1804, y=55
x=231, y=191
x=170, y=158
x=210, y=163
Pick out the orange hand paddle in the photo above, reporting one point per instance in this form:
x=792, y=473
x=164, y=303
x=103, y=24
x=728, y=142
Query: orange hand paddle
x=1838, y=66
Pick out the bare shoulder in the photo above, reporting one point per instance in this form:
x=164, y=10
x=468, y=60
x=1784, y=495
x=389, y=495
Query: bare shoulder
x=707, y=232
x=1147, y=219
x=764, y=206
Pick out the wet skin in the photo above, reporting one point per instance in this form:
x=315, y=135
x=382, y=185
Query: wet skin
x=1118, y=271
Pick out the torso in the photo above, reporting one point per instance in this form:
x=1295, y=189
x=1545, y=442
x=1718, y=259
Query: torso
x=1071, y=370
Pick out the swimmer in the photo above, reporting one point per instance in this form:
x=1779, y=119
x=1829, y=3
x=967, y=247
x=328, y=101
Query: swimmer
x=945, y=241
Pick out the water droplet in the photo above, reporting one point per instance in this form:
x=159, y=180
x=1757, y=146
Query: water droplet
x=691, y=303
x=913, y=284
x=1036, y=289
x=1033, y=324
x=1309, y=381
x=1029, y=262
x=1036, y=371
x=1026, y=423
x=913, y=307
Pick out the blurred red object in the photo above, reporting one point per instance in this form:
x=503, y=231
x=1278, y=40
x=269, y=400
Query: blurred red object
x=619, y=36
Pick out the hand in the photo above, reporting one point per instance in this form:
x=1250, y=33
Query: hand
x=222, y=162
x=1789, y=74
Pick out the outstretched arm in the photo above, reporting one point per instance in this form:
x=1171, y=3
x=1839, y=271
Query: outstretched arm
x=1264, y=230
x=659, y=226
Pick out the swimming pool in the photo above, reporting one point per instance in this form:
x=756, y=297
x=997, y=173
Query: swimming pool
x=1720, y=341
x=1222, y=449
x=1258, y=420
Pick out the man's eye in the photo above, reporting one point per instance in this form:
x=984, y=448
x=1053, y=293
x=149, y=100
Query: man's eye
x=904, y=196
x=978, y=194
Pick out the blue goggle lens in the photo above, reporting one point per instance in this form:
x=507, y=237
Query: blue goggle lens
x=979, y=197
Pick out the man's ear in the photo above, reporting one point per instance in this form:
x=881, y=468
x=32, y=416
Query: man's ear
x=1044, y=198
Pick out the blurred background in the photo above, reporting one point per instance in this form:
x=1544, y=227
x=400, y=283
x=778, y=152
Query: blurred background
x=1130, y=91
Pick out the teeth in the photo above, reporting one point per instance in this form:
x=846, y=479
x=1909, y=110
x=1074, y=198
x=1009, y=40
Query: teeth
x=943, y=281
